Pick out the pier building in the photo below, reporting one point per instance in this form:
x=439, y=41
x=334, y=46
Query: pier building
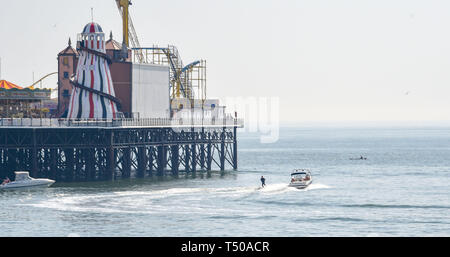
x=19, y=102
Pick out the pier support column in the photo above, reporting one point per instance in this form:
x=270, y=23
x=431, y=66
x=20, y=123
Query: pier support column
x=194, y=158
x=235, y=149
x=110, y=158
x=202, y=157
x=126, y=162
x=110, y=164
x=187, y=158
x=166, y=153
x=202, y=149
x=58, y=162
x=161, y=161
x=209, y=157
x=34, y=157
x=194, y=151
x=150, y=161
x=222, y=150
x=2, y=163
x=142, y=162
x=90, y=169
x=53, y=164
x=12, y=162
x=80, y=159
x=175, y=159
x=69, y=172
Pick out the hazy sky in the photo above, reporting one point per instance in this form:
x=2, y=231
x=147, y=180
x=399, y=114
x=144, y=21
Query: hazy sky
x=327, y=60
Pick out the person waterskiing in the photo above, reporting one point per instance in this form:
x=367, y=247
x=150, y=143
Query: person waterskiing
x=263, y=181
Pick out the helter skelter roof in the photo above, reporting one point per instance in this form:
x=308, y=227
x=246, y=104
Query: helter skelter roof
x=92, y=28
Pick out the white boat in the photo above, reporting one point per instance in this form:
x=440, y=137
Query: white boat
x=23, y=180
x=301, y=179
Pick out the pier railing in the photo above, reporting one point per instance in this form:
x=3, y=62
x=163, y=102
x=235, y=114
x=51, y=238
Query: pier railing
x=147, y=122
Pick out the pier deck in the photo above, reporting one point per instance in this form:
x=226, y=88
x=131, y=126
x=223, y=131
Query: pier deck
x=93, y=150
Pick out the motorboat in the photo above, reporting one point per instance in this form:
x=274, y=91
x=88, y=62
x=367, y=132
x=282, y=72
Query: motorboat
x=301, y=178
x=23, y=180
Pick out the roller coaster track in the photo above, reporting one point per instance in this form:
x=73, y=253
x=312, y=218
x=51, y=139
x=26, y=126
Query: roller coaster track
x=46, y=76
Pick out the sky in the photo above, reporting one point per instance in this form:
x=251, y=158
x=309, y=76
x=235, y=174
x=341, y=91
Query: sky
x=326, y=60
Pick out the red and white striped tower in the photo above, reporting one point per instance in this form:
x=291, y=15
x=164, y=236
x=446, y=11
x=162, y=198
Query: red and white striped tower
x=93, y=94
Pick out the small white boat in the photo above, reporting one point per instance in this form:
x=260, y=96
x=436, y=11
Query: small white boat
x=301, y=179
x=23, y=180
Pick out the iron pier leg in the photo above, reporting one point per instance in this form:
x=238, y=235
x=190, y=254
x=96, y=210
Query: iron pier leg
x=2, y=163
x=202, y=156
x=235, y=149
x=59, y=164
x=166, y=153
x=53, y=163
x=79, y=159
x=222, y=150
x=161, y=158
x=69, y=153
x=194, y=158
x=209, y=156
x=12, y=162
x=150, y=160
x=90, y=166
x=142, y=162
x=34, y=152
x=187, y=158
x=202, y=149
x=110, y=159
x=175, y=160
x=126, y=164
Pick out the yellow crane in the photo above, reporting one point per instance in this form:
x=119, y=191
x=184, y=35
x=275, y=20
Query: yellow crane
x=123, y=6
x=129, y=33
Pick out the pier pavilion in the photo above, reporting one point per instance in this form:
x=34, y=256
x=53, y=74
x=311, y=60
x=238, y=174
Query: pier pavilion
x=17, y=102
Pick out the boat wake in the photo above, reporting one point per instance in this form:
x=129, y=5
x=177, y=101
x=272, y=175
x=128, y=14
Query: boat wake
x=276, y=189
x=281, y=188
x=155, y=201
x=317, y=186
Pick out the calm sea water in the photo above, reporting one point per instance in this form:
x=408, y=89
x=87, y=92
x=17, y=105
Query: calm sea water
x=403, y=189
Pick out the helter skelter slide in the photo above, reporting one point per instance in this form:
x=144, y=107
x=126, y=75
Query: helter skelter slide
x=93, y=95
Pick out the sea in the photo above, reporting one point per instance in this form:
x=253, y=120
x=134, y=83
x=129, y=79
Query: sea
x=401, y=190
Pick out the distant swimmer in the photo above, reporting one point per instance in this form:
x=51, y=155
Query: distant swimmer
x=360, y=158
x=263, y=181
